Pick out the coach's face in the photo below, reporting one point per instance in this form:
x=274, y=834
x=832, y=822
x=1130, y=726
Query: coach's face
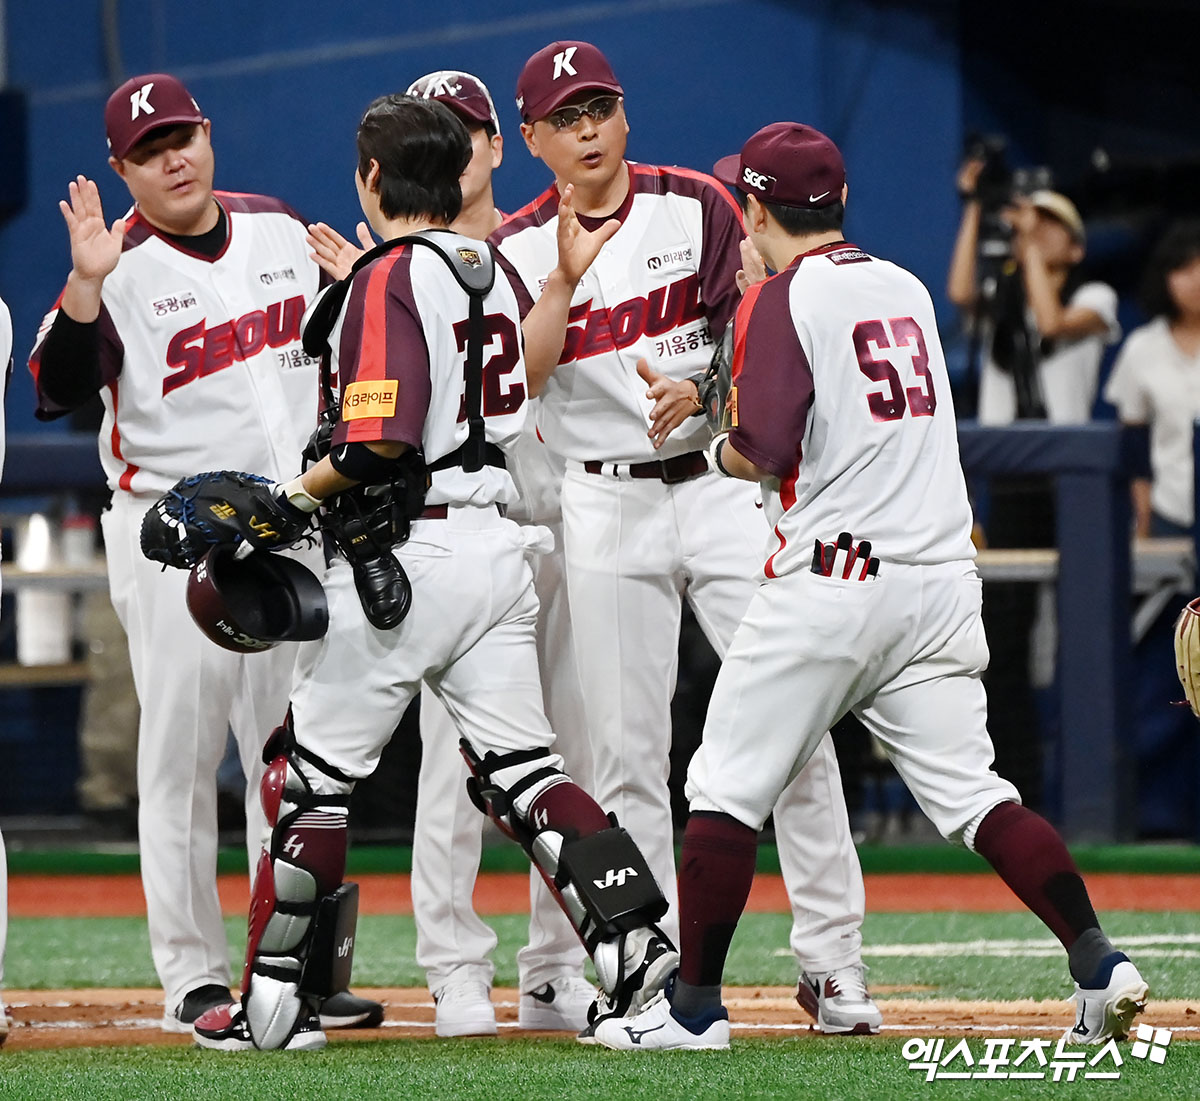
x=486, y=155
x=585, y=151
x=169, y=173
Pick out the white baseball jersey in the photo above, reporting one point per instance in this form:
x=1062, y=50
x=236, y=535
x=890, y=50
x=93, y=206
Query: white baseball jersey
x=841, y=393
x=659, y=290
x=877, y=453
x=221, y=379
x=399, y=350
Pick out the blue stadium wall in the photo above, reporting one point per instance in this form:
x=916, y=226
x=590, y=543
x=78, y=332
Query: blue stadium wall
x=285, y=84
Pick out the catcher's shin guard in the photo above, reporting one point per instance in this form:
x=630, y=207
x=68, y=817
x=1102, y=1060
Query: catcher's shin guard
x=599, y=878
x=302, y=916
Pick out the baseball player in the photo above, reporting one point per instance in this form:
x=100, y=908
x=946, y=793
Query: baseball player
x=184, y=316
x=613, y=353
x=454, y=945
x=6, y=363
x=868, y=600
x=397, y=338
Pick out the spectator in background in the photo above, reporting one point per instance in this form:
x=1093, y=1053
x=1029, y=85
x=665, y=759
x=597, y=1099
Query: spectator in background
x=1042, y=331
x=1045, y=330
x=1156, y=382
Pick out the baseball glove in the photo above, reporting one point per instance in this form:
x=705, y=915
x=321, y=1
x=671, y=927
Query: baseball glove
x=221, y=508
x=1187, y=653
x=716, y=392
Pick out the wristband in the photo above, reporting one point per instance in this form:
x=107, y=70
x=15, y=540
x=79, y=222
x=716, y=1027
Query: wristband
x=712, y=455
x=296, y=495
x=698, y=382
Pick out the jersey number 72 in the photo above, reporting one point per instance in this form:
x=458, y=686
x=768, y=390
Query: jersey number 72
x=499, y=396
x=906, y=341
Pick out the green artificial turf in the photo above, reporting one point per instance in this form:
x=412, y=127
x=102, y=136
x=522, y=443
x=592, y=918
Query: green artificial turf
x=52, y=953
x=872, y=1069
x=1162, y=859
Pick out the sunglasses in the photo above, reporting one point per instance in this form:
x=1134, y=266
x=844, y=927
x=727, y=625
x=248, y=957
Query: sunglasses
x=599, y=109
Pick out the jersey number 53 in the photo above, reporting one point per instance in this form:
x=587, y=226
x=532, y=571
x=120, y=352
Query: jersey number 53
x=882, y=346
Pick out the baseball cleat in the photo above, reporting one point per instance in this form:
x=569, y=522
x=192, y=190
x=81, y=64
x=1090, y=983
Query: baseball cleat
x=227, y=1029
x=558, y=1006
x=658, y=1028
x=839, y=1001
x=464, y=1008
x=346, y=1010
x=5, y=1022
x=195, y=1004
x=635, y=967
x=1106, y=1011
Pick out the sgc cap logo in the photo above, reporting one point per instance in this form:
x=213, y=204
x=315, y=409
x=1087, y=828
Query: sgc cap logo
x=757, y=180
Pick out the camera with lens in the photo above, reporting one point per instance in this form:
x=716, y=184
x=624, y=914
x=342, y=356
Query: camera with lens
x=998, y=186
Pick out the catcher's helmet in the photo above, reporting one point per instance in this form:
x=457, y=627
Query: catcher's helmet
x=253, y=603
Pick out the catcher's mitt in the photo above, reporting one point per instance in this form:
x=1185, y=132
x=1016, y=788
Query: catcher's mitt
x=716, y=392
x=1187, y=653
x=221, y=508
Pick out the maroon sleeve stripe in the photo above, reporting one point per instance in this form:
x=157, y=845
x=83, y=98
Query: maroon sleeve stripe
x=683, y=181
x=537, y=213
x=244, y=202
x=773, y=379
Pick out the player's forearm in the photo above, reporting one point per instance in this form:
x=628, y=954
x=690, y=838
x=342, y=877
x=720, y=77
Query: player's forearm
x=323, y=480
x=960, y=284
x=726, y=460
x=545, y=329
x=81, y=299
x=69, y=362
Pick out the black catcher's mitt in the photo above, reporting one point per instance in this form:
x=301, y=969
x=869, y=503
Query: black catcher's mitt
x=220, y=508
x=716, y=385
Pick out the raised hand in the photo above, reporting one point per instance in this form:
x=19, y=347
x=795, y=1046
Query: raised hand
x=95, y=249
x=673, y=401
x=754, y=268
x=332, y=252
x=578, y=247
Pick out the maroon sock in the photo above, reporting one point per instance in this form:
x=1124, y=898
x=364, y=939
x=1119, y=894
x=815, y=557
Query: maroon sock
x=1031, y=858
x=715, y=872
x=567, y=809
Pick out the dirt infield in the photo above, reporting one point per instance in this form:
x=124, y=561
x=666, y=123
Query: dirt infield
x=96, y=1018
x=506, y=893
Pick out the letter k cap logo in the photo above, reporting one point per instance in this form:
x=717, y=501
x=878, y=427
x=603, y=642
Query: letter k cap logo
x=139, y=101
x=562, y=63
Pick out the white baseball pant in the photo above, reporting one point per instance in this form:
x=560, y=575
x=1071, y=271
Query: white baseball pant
x=447, y=836
x=191, y=693
x=633, y=547
x=905, y=653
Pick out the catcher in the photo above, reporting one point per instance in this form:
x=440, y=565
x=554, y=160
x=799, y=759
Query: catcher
x=395, y=334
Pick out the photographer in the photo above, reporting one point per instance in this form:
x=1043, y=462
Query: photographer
x=1040, y=333
x=1042, y=330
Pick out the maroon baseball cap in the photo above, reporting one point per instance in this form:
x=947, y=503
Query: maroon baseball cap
x=145, y=103
x=463, y=93
x=554, y=74
x=786, y=163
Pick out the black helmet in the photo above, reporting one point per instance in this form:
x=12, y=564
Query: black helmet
x=252, y=603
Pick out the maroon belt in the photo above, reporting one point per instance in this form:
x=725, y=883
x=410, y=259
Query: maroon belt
x=678, y=469
x=440, y=512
